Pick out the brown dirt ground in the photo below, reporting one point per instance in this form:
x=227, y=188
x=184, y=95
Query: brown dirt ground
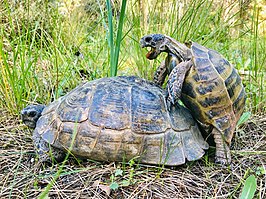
x=20, y=177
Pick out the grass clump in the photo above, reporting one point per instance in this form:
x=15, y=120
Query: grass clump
x=115, y=45
x=45, y=54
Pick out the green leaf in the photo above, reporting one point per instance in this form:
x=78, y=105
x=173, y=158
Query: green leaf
x=112, y=177
x=114, y=186
x=131, y=162
x=260, y=171
x=118, y=172
x=125, y=183
x=110, y=36
x=244, y=117
x=249, y=188
x=119, y=36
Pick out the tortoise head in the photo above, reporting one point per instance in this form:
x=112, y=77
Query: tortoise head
x=31, y=114
x=162, y=43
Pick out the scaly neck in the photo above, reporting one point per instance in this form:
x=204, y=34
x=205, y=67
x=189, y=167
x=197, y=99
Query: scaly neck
x=178, y=49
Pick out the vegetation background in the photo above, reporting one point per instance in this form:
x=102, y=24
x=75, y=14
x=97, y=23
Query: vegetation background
x=48, y=47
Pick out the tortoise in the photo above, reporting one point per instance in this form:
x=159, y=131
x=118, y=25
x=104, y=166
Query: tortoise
x=205, y=82
x=115, y=119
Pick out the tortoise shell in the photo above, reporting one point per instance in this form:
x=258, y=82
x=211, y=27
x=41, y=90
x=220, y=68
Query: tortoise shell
x=120, y=118
x=213, y=89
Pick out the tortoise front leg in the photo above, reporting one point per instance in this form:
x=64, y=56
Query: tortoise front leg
x=46, y=153
x=175, y=82
x=160, y=74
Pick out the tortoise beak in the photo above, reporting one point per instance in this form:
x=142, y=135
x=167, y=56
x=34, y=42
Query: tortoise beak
x=143, y=44
x=29, y=123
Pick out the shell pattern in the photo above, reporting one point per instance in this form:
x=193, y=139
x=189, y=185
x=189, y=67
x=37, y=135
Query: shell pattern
x=120, y=118
x=213, y=89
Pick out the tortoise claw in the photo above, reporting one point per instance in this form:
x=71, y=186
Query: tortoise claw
x=222, y=161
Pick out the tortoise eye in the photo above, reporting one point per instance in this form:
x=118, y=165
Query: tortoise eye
x=32, y=113
x=148, y=39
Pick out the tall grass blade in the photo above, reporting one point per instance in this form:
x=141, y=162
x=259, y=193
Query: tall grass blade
x=119, y=37
x=110, y=36
x=114, y=46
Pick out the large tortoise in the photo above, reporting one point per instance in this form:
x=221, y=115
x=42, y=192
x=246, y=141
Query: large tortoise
x=115, y=119
x=205, y=82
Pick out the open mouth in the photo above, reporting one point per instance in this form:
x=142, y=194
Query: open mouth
x=152, y=54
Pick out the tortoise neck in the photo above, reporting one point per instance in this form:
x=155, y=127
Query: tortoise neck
x=181, y=51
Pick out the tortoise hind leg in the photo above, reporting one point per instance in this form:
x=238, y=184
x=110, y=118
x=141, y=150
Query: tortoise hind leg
x=222, y=154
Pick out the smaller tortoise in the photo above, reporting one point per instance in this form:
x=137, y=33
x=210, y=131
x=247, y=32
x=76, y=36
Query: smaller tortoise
x=115, y=119
x=205, y=82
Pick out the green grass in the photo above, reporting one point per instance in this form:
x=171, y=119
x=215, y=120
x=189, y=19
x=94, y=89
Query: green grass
x=37, y=49
x=115, y=46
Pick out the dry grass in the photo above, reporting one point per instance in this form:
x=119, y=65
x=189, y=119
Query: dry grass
x=21, y=178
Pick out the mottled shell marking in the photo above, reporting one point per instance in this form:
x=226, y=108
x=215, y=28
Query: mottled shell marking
x=213, y=89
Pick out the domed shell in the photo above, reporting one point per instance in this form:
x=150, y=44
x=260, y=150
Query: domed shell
x=115, y=119
x=213, y=89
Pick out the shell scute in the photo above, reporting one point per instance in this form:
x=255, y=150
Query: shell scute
x=182, y=119
x=203, y=89
x=205, y=69
x=231, y=78
x=239, y=103
x=148, y=112
x=193, y=105
x=219, y=63
x=188, y=89
x=74, y=105
x=110, y=106
x=49, y=136
x=203, y=64
x=223, y=122
x=210, y=101
x=198, y=50
x=233, y=88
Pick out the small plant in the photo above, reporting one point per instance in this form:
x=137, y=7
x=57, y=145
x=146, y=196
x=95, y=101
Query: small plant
x=114, y=185
x=260, y=171
x=126, y=175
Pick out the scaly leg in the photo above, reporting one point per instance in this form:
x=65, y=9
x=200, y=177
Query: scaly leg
x=222, y=155
x=160, y=74
x=175, y=82
x=46, y=153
